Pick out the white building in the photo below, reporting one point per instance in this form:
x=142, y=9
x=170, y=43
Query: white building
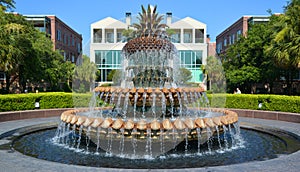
x=189, y=39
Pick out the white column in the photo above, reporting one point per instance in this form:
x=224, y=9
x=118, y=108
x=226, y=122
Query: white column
x=193, y=36
x=103, y=35
x=115, y=35
x=181, y=35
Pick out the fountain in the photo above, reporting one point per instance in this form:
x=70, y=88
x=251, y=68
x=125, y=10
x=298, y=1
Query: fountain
x=150, y=112
x=150, y=120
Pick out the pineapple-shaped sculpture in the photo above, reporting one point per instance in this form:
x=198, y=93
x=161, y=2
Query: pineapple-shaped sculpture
x=149, y=56
x=149, y=23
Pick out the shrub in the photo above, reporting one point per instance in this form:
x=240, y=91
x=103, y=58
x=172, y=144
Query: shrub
x=16, y=102
x=251, y=101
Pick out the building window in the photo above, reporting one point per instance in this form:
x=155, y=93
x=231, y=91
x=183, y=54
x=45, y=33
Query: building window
x=106, y=61
x=199, y=36
x=58, y=35
x=187, y=36
x=97, y=34
x=229, y=40
x=233, y=38
x=65, y=39
x=78, y=47
x=175, y=37
x=69, y=41
x=109, y=37
x=192, y=61
x=120, y=37
x=73, y=41
x=73, y=58
x=225, y=42
x=238, y=34
x=219, y=47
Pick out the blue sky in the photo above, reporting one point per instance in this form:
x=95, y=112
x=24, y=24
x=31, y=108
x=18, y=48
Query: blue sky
x=216, y=14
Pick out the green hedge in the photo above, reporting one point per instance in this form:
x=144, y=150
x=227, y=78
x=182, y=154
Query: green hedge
x=251, y=101
x=16, y=102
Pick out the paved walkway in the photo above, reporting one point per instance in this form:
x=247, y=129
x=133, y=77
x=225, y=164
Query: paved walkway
x=15, y=161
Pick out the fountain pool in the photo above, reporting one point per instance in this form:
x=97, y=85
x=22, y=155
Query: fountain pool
x=258, y=144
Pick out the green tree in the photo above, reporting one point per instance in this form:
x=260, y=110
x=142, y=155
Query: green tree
x=7, y=4
x=26, y=55
x=184, y=76
x=16, y=48
x=84, y=76
x=216, y=76
x=128, y=34
x=246, y=63
x=285, y=44
x=115, y=76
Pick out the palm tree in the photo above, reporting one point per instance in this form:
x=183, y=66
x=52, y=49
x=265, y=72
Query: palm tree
x=285, y=46
x=149, y=23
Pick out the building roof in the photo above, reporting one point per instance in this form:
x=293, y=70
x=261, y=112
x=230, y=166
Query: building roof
x=187, y=22
x=108, y=22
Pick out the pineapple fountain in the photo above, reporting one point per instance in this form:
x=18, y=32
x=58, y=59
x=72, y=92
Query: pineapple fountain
x=149, y=113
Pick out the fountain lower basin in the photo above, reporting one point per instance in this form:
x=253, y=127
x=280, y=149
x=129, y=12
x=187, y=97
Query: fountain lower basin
x=258, y=144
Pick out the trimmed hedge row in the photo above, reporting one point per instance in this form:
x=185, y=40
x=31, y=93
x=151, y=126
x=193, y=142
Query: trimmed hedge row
x=17, y=102
x=251, y=101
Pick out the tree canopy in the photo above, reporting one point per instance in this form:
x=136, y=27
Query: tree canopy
x=27, y=56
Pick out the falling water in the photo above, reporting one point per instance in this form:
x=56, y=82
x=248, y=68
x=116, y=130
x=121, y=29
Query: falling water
x=122, y=141
x=119, y=102
x=88, y=138
x=231, y=134
x=209, y=142
x=112, y=98
x=149, y=143
x=174, y=134
x=198, y=103
x=225, y=136
x=73, y=136
x=125, y=105
x=199, y=138
x=144, y=103
x=163, y=105
x=67, y=134
x=218, y=135
x=79, y=136
x=161, y=139
x=134, y=142
x=109, y=141
x=186, y=141
x=134, y=106
x=98, y=139
x=153, y=104
x=186, y=101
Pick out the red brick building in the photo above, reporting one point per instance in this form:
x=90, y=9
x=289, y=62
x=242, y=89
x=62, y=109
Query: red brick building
x=232, y=34
x=64, y=38
x=211, y=47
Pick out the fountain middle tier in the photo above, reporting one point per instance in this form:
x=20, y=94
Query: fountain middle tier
x=145, y=96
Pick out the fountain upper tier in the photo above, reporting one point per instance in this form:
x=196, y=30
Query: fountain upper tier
x=148, y=43
x=149, y=62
